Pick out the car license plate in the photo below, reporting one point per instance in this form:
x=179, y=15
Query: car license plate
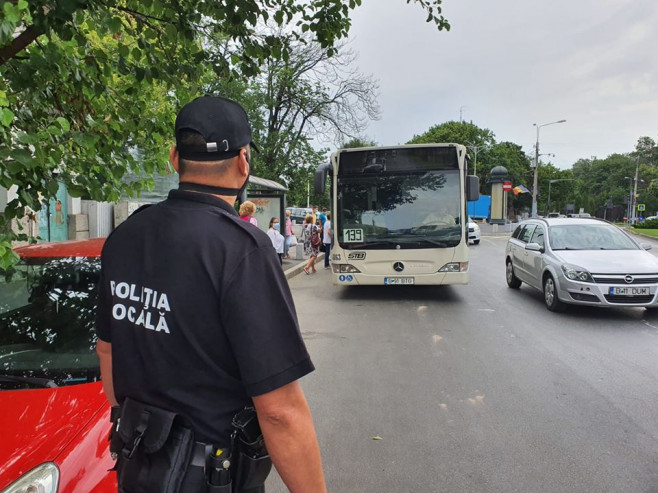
x=629, y=291
x=398, y=280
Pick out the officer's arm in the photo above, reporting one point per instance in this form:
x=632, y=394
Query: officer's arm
x=287, y=426
x=104, y=351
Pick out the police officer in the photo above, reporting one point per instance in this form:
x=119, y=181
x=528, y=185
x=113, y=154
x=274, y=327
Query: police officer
x=195, y=314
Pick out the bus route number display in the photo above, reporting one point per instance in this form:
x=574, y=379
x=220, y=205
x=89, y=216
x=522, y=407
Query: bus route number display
x=353, y=235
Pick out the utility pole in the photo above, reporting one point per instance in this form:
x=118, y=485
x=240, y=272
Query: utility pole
x=637, y=172
x=534, y=182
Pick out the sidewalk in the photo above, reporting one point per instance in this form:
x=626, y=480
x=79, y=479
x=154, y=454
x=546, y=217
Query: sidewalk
x=292, y=267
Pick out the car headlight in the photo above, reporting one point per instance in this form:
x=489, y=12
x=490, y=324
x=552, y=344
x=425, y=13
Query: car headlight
x=455, y=267
x=575, y=273
x=41, y=479
x=476, y=227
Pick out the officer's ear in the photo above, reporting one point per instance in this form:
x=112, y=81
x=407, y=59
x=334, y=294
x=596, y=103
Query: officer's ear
x=244, y=161
x=173, y=158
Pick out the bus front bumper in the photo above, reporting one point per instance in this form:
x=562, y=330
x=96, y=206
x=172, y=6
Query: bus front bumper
x=361, y=279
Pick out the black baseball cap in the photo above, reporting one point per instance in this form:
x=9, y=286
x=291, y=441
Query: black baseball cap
x=221, y=122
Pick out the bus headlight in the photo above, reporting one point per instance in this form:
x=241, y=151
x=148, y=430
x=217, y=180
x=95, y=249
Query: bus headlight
x=455, y=267
x=345, y=269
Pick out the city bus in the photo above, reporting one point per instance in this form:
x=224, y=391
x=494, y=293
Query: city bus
x=399, y=214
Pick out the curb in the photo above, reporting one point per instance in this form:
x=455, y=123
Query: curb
x=297, y=269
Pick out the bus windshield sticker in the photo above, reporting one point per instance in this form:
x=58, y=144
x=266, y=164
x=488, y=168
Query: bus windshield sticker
x=353, y=235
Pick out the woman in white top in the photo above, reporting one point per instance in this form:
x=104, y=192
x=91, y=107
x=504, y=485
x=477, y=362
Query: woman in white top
x=276, y=237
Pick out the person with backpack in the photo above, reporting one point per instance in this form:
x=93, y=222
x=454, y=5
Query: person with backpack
x=312, y=242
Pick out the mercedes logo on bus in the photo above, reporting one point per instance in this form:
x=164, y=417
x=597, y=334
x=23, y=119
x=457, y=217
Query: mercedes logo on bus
x=398, y=266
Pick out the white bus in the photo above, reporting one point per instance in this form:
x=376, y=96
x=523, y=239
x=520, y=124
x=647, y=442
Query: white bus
x=399, y=214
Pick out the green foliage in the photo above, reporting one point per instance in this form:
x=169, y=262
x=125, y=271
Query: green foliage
x=358, y=142
x=89, y=89
x=455, y=132
x=648, y=224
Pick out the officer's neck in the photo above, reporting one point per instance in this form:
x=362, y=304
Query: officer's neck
x=227, y=194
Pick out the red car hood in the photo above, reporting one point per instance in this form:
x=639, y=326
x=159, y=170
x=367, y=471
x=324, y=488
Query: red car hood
x=39, y=424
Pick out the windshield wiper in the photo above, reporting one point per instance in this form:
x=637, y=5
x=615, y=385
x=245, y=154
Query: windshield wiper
x=46, y=383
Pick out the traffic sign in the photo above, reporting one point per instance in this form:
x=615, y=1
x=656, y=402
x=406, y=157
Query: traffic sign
x=507, y=186
x=640, y=207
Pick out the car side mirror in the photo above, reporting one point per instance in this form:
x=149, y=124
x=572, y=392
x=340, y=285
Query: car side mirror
x=534, y=247
x=647, y=246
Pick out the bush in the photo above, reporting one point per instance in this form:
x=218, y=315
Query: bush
x=648, y=224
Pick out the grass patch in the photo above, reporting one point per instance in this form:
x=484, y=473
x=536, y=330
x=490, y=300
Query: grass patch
x=645, y=231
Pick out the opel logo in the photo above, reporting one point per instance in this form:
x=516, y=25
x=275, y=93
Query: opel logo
x=398, y=266
x=628, y=279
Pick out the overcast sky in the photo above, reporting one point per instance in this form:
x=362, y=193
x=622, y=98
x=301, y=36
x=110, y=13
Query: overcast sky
x=506, y=64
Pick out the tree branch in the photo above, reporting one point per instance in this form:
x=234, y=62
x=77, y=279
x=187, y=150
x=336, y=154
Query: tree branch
x=19, y=43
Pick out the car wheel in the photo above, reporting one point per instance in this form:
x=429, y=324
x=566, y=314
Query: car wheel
x=553, y=303
x=476, y=242
x=512, y=281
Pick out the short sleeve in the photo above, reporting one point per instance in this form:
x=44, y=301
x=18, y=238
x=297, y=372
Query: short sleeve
x=103, y=312
x=261, y=324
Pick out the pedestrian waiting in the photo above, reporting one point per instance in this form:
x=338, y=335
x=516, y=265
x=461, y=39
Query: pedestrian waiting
x=276, y=237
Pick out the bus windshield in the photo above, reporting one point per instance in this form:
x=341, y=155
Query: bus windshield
x=413, y=209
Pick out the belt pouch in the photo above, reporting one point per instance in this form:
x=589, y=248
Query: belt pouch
x=253, y=462
x=157, y=448
x=252, y=471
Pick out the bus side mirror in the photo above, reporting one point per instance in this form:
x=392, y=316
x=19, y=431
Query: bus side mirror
x=472, y=188
x=320, y=178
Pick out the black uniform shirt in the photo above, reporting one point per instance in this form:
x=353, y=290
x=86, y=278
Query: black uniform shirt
x=198, y=312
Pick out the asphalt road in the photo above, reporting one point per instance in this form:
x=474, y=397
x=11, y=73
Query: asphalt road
x=478, y=388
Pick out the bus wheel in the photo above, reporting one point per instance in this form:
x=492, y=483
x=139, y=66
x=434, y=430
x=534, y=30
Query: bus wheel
x=512, y=281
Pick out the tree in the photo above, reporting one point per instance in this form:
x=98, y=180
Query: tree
x=88, y=86
x=647, y=150
x=456, y=132
x=358, y=142
x=308, y=96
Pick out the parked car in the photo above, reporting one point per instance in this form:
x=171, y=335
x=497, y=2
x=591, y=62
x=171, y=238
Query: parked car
x=581, y=261
x=473, y=231
x=54, y=414
x=581, y=214
x=298, y=214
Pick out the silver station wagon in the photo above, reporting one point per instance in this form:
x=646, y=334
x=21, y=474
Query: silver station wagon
x=581, y=261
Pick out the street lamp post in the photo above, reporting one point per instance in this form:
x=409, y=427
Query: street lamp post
x=550, y=182
x=475, y=149
x=534, y=184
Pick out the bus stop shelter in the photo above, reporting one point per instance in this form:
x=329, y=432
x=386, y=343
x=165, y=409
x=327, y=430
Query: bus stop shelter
x=269, y=197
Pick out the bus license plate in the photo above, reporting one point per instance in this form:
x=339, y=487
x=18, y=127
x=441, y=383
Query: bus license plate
x=629, y=291
x=398, y=280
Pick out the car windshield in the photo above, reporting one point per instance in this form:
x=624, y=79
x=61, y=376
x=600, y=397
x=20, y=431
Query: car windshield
x=589, y=237
x=47, y=315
